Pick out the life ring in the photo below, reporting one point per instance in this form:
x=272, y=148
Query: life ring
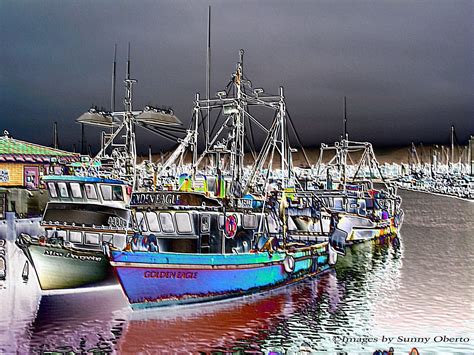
x=230, y=226
x=289, y=264
x=332, y=256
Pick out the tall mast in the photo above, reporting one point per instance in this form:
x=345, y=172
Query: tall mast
x=129, y=124
x=345, y=137
x=114, y=71
x=196, y=127
x=284, y=148
x=208, y=75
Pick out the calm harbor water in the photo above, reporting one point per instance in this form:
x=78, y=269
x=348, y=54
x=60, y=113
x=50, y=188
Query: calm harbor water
x=423, y=289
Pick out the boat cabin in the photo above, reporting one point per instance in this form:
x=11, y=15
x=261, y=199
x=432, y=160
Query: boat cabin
x=87, y=211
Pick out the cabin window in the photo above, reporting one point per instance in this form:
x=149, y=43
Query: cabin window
x=61, y=234
x=250, y=221
x=112, y=192
x=272, y=225
x=153, y=224
x=183, y=222
x=166, y=222
x=221, y=222
x=106, y=191
x=52, y=190
x=92, y=238
x=141, y=224
x=75, y=237
x=117, y=193
x=91, y=192
x=50, y=233
x=75, y=190
x=63, y=189
x=119, y=241
x=108, y=238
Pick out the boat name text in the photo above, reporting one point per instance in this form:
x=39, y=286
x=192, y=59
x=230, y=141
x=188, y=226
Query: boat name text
x=72, y=256
x=170, y=275
x=154, y=199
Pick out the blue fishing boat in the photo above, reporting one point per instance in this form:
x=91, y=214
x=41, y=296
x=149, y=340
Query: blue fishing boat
x=152, y=279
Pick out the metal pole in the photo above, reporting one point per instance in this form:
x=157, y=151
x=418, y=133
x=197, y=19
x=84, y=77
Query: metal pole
x=283, y=138
x=345, y=135
x=208, y=76
x=114, y=71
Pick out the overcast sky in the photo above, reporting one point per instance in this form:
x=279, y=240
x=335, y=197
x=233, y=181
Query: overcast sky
x=406, y=67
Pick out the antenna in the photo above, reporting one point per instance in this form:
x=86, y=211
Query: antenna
x=128, y=62
x=208, y=73
x=114, y=71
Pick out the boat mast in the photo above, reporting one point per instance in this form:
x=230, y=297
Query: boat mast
x=285, y=166
x=237, y=154
x=208, y=76
x=194, y=145
x=112, y=94
x=114, y=72
x=130, y=143
x=345, y=138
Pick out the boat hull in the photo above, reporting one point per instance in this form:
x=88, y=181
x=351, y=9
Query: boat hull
x=59, y=267
x=161, y=279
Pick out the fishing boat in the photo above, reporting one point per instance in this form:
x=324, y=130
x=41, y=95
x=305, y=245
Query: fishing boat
x=90, y=207
x=348, y=190
x=203, y=244
x=82, y=213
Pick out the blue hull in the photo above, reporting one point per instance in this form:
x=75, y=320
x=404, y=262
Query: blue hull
x=161, y=279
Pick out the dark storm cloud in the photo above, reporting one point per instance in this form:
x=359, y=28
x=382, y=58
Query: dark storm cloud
x=405, y=66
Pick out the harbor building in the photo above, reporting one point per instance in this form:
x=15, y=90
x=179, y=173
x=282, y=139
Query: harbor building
x=22, y=164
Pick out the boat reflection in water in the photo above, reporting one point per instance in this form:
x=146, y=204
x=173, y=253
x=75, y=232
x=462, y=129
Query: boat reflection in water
x=242, y=324
x=78, y=322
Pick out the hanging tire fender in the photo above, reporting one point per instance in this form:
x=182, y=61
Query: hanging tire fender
x=332, y=256
x=289, y=264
